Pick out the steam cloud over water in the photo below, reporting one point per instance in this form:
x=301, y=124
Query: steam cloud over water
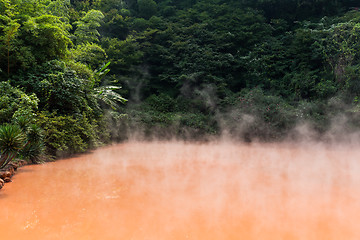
x=175, y=190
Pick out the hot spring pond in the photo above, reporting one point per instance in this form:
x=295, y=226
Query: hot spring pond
x=173, y=191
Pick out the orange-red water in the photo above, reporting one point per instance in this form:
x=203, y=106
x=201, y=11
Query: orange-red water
x=179, y=191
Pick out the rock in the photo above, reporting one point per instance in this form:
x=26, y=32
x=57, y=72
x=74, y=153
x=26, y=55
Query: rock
x=1, y=183
x=13, y=165
x=7, y=174
x=11, y=170
x=22, y=163
x=3, y=174
x=7, y=179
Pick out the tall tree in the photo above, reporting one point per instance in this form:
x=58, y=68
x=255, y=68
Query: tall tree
x=87, y=27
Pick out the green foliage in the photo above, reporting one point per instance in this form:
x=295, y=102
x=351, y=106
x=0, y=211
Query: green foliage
x=58, y=87
x=23, y=122
x=188, y=67
x=82, y=70
x=108, y=5
x=89, y=54
x=161, y=103
x=15, y=103
x=11, y=142
x=116, y=24
x=107, y=95
x=31, y=35
x=11, y=139
x=33, y=151
x=125, y=55
x=35, y=57
x=48, y=37
x=167, y=125
x=10, y=31
x=67, y=134
x=341, y=47
x=34, y=133
x=21, y=137
x=59, y=8
x=34, y=147
x=207, y=52
x=255, y=114
x=86, y=29
x=147, y=8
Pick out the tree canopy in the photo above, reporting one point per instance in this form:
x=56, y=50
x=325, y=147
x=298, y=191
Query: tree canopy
x=189, y=68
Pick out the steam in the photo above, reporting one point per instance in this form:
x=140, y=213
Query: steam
x=330, y=122
x=180, y=190
x=256, y=191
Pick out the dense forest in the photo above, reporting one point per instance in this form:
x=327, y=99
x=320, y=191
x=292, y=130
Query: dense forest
x=78, y=74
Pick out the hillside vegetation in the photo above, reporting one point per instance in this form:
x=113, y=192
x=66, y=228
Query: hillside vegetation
x=188, y=68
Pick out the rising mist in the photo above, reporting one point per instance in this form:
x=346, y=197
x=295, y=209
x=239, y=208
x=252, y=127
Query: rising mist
x=177, y=190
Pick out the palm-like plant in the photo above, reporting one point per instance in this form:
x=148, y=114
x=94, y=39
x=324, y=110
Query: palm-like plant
x=34, y=146
x=34, y=133
x=11, y=142
x=22, y=121
x=106, y=94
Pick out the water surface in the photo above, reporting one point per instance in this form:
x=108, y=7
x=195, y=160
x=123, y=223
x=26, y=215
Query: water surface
x=171, y=190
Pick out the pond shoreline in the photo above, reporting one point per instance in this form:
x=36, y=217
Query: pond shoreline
x=11, y=168
x=9, y=171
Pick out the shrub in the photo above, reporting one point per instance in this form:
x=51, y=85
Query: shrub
x=34, y=146
x=15, y=103
x=11, y=142
x=64, y=135
x=254, y=114
x=161, y=103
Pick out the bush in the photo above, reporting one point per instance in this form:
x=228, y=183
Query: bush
x=161, y=103
x=254, y=114
x=64, y=135
x=11, y=142
x=15, y=103
x=148, y=122
x=57, y=86
x=147, y=8
x=34, y=146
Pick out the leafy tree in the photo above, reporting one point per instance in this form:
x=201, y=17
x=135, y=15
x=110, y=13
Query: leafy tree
x=124, y=55
x=10, y=33
x=59, y=8
x=147, y=8
x=47, y=36
x=341, y=47
x=183, y=64
x=90, y=54
x=14, y=103
x=86, y=28
x=32, y=37
x=116, y=25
